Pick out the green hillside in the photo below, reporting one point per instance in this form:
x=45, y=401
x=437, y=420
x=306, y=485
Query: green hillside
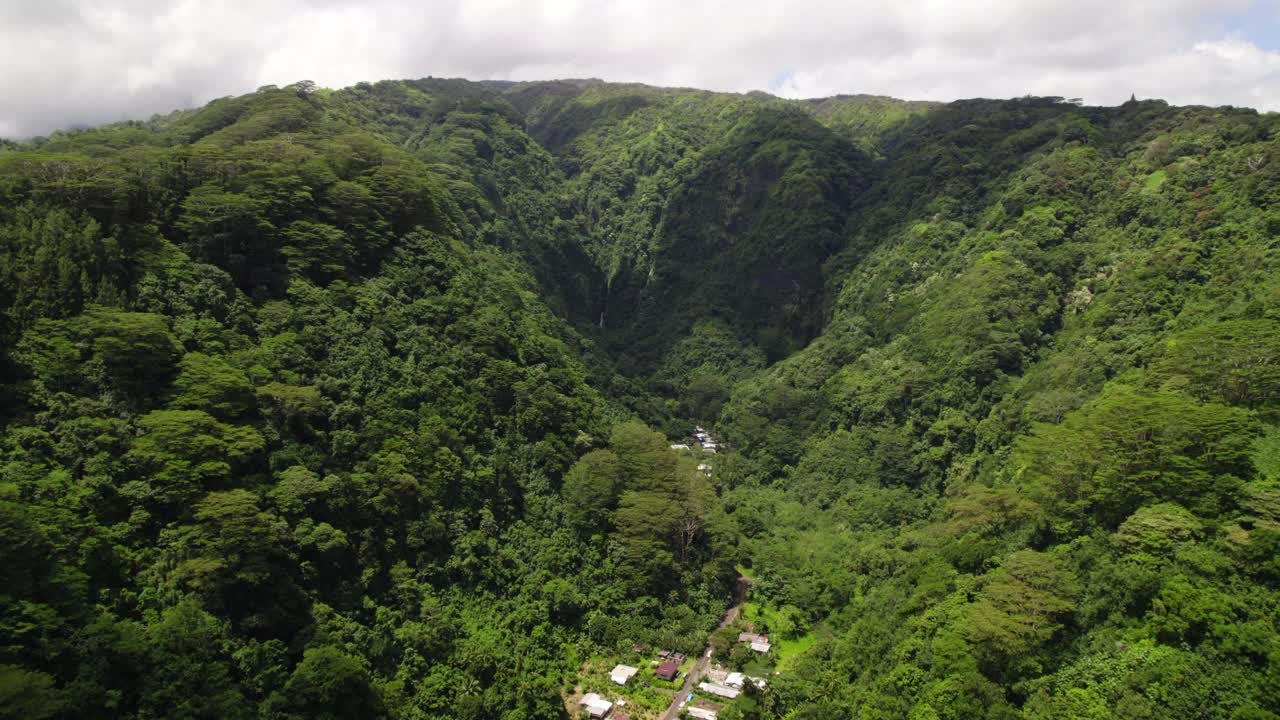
x=359, y=403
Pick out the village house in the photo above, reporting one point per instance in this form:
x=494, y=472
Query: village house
x=761, y=647
x=668, y=670
x=597, y=707
x=738, y=680
x=622, y=673
x=703, y=713
x=679, y=446
x=747, y=637
x=721, y=690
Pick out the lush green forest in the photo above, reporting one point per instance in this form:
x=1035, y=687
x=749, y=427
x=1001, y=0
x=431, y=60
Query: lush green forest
x=360, y=404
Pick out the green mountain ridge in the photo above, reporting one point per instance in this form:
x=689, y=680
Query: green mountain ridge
x=359, y=403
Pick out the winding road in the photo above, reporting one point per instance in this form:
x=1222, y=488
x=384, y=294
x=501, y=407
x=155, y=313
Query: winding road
x=700, y=667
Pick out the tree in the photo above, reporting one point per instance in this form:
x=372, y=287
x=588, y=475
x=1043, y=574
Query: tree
x=26, y=695
x=331, y=685
x=1233, y=362
x=239, y=560
x=213, y=385
x=1020, y=607
x=590, y=490
x=189, y=677
x=291, y=407
x=1131, y=447
x=131, y=354
x=183, y=453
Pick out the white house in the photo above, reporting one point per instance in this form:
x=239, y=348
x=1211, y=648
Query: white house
x=735, y=680
x=721, y=690
x=679, y=446
x=761, y=647
x=596, y=706
x=703, y=713
x=622, y=673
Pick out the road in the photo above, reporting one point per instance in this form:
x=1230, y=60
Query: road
x=700, y=667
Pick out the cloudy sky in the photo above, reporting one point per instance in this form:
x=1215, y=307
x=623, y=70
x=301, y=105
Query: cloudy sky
x=78, y=62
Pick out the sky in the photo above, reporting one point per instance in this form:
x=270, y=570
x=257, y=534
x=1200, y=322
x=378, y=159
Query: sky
x=66, y=63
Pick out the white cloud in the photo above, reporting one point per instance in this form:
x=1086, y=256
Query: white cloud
x=66, y=63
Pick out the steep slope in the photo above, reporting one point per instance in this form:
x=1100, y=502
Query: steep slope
x=1025, y=472
x=701, y=207
x=327, y=403
x=287, y=418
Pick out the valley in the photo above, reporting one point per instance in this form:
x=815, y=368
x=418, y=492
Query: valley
x=434, y=399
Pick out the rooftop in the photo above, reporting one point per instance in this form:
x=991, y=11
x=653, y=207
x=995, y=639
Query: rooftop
x=622, y=673
x=596, y=706
x=721, y=690
x=668, y=670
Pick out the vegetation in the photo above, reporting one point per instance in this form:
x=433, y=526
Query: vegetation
x=358, y=403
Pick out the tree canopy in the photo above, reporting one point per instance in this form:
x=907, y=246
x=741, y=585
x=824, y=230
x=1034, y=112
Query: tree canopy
x=362, y=403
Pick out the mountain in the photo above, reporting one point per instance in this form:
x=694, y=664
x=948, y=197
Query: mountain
x=361, y=403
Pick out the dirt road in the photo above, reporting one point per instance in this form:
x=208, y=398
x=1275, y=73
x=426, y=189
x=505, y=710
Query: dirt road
x=704, y=660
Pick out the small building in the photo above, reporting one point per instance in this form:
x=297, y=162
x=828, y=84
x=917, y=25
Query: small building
x=722, y=690
x=703, y=713
x=735, y=680
x=752, y=637
x=622, y=673
x=679, y=446
x=668, y=670
x=597, y=707
x=761, y=647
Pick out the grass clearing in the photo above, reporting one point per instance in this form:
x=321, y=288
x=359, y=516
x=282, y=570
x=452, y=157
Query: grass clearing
x=1154, y=181
x=785, y=650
